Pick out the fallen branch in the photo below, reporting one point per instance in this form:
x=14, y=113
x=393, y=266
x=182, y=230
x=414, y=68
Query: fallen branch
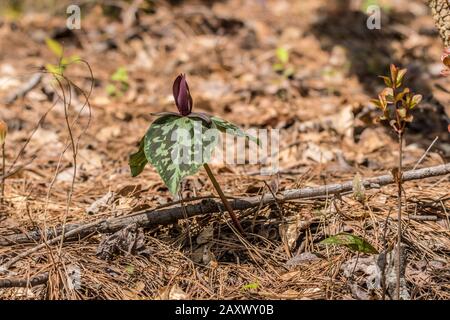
x=30, y=282
x=172, y=215
x=206, y=206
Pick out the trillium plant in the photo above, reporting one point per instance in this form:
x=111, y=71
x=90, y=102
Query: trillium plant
x=179, y=143
x=396, y=103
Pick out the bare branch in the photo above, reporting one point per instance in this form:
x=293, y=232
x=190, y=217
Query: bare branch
x=25, y=282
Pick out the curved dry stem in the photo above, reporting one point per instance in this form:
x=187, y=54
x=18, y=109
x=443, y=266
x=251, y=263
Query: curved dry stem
x=74, y=144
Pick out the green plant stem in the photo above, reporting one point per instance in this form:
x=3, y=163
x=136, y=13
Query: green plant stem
x=223, y=198
x=3, y=173
x=399, y=207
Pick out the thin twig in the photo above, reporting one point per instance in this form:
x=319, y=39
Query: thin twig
x=384, y=256
x=425, y=153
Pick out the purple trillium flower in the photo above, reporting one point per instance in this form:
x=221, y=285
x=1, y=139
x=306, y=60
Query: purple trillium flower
x=182, y=96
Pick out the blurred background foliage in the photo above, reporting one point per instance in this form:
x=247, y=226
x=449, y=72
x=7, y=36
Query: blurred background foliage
x=14, y=9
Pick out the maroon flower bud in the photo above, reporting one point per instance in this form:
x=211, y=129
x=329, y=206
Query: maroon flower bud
x=182, y=96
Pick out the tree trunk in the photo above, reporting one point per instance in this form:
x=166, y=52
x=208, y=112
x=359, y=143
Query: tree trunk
x=440, y=10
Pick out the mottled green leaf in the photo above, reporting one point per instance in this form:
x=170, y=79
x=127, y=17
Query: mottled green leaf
x=138, y=160
x=178, y=146
x=231, y=128
x=350, y=241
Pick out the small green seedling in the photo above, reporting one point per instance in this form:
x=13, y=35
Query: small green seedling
x=251, y=286
x=58, y=51
x=179, y=144
x=282, y=66
x=119, y=83
x=350, y=241
x=396, y=103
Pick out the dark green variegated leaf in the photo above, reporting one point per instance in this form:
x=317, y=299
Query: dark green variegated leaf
x=177, y=147
x=138, y=160
x=231, y=128
x=350, y=241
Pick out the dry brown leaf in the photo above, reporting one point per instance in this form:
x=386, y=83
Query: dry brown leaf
x=372, y=139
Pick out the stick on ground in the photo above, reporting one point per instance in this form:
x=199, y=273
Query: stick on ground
x=172, y=215
x=30, y=282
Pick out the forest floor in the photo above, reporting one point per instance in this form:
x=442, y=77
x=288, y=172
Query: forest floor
x=328, y=134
